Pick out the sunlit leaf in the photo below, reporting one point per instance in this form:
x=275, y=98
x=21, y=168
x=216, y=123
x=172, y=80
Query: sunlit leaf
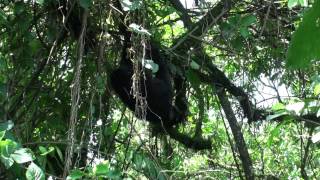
x=273, y=135
x=22, y=155
x=278, y=106
x=40, y=1
x=316, y=138
x=34, y=172
x=75, y=174
x=303, y=3
x=7, y=147
x=101, y=169
x=44, y=151
x=292, y=3
x=316, y=90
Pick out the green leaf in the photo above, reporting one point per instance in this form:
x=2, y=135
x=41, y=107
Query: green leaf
x=75, y=174
x=194, y=65
x=101, y=169
x=6, y=125
x=3, y=17
x=305, y=44
x=7, y=147
x=34, y=172
x=2, y=134
x=316, y=90
x=59, y=153
x=274, y=135
x=238, y=43
x=40, y=2
x=316, y=138
x=303, y=3
x=292, y=3
x=278, y=106
x=22, y=155
x=44, y=151
x=244, y=31
x=85, y=3
x=227, y=30
x=274, y=116
x=248, y=20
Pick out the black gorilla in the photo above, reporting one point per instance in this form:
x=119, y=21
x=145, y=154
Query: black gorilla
x=157, y=89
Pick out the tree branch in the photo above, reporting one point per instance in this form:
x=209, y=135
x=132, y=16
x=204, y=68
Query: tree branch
x=237, y=134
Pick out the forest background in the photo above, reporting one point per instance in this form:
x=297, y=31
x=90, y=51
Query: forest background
x=249, y=73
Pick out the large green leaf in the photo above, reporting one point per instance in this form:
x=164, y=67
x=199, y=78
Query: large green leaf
x=305, y=44
x=22, y=155
x=34, y=172
x=7, y=147
x=75, y=174
x=101, y=169
x=293, y=3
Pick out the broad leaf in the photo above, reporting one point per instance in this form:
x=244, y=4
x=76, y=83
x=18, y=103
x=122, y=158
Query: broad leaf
x=7, y=147
x=22, y=155
x=248, y=20
x=316, y=138
x=292, y=3
x=101, y=169
x=44, y=151
x=305, y=44
x=34, y=172
x=75, y=174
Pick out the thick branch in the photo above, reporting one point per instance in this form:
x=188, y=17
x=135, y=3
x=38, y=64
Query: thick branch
x=237, y=134
x=193, y=143
x=184, y=14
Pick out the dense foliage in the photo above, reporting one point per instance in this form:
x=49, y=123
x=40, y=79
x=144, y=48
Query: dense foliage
x=247, y=71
